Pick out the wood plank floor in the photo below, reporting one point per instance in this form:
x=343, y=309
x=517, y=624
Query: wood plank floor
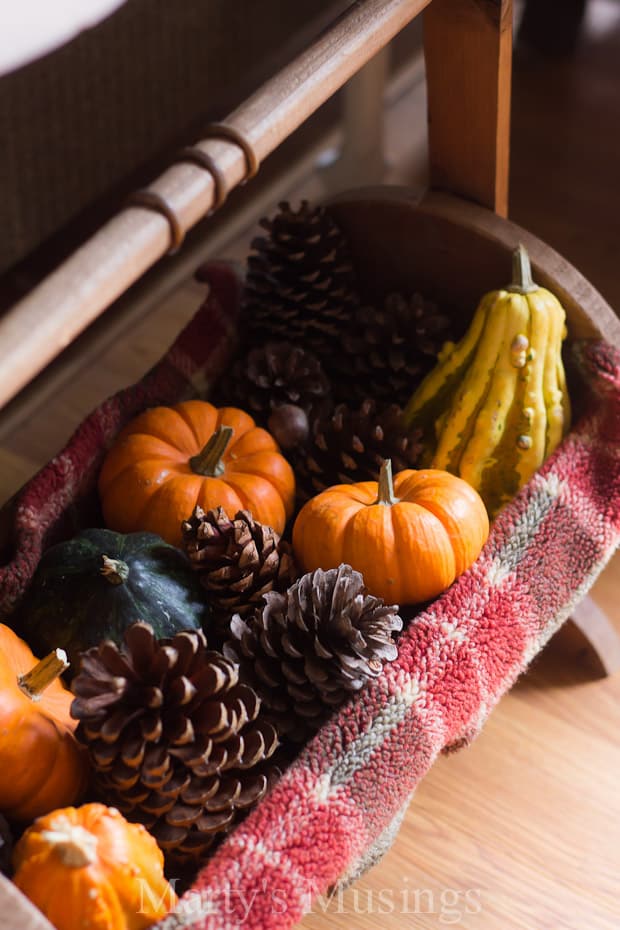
x=522, y=830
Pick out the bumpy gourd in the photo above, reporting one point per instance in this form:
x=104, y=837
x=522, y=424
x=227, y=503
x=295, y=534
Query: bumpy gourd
x=87, y=868
x=496, y=404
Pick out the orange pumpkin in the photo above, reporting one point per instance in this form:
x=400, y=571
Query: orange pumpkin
x=409, y=538
x=88, y=868
x=42, y=766
x=169, y=459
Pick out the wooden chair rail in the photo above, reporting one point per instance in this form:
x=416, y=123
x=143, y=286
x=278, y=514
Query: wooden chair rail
x=36, y=329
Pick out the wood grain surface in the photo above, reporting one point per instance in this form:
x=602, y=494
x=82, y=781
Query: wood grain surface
x=468, y=49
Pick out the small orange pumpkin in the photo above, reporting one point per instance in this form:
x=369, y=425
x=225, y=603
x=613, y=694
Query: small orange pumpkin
x=42, y=766
x=88, y=868
x=169, y=459
x=409, y=538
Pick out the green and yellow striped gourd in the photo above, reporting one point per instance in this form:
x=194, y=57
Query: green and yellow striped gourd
x=496, y=404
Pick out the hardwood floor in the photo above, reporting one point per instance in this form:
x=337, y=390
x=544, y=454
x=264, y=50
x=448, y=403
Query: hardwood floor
x=521, y=830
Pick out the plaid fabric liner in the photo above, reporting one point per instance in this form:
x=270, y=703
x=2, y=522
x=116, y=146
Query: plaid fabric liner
x=338, y=806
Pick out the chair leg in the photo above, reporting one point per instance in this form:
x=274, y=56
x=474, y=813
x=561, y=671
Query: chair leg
x=594, y=626
x=361, y=159
x=468, y=52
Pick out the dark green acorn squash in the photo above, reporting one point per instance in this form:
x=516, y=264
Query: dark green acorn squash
x=95, y=585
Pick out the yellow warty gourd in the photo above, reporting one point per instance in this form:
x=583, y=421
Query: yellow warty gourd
x=496, y=404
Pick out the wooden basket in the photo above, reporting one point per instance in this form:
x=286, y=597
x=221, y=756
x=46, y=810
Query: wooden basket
x=443, y=246
x=440, y=245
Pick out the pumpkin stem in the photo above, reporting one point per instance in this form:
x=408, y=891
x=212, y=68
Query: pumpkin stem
x=522, y=282
x=386, y=485
x=209, y=461
x=114, y=570
x=75, y=846
x=34, y=682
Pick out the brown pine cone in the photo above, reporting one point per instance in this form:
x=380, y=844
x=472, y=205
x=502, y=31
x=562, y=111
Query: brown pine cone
x=239, y=561
x=306, y=650
x=351, y=444
x=273, y=375
x=388, y=351
x=300, y=282
x=175, y=741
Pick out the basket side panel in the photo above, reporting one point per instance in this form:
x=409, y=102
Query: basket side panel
x=454, y=252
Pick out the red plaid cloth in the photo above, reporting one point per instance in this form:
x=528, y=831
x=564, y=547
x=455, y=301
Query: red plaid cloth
x=337, y=807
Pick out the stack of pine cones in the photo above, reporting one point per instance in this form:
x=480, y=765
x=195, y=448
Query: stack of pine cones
x=183, y=737
x=302, y=642
x=186, y=735
x=327, y=374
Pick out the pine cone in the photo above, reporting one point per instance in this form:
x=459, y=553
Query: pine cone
x=388, y=351
x=350, y=446
x=300, y=283
x=305, y=651
x=274, y=375
x=239, y=560
x=176, y=743
x=6, y=846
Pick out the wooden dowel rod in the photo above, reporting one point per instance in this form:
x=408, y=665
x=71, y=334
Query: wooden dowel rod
x=37, y=328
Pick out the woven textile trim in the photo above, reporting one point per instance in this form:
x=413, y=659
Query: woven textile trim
x=337, y=807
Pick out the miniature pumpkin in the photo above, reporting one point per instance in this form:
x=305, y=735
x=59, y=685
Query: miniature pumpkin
x=170, y=459
x=410, y=538
x=496, y=405
x=94, y=586
x=88, y=868
x=42, y=766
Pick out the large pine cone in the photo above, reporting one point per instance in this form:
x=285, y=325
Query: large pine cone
x=239, y=561
x=305, y=651
x=388, y=351
x=351, y=445
x=275, y=375
x=175, y=741
x=300, y=283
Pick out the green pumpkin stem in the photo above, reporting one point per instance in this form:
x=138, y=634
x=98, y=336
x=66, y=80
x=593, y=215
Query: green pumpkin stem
x=34, y=682
x=114, y=570
x=386, y=485
x=522, y=282
x=209, y=461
